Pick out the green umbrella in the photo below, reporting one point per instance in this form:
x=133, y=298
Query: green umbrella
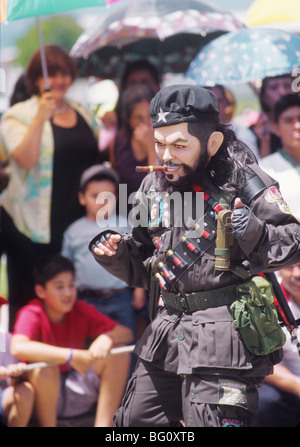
x=20, y=9
x=11, y=10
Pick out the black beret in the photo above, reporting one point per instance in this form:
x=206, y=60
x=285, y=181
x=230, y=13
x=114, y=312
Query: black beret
x=177, y=104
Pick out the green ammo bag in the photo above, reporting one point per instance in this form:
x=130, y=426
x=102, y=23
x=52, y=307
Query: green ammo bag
x=255, y=317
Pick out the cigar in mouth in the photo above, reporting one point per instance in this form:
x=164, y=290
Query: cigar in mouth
x=150, y=168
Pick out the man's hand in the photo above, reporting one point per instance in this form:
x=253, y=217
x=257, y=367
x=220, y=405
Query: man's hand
x=108, y=245
x=109, y=119
x=143, y=133
x=238, y=203
x=240, y=218
x=138, y=298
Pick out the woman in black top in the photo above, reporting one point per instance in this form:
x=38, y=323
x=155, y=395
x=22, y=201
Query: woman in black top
x=74, y=148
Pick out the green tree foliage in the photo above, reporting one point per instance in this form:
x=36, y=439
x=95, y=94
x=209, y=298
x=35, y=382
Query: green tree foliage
x=58, y=30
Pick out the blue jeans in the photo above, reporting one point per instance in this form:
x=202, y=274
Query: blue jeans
x=3, y=420
x=278, y=408
x=118, y=307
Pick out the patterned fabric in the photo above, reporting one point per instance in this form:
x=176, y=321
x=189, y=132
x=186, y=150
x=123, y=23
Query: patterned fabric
x=27, y=198
x=167, y=33
x=244, y=56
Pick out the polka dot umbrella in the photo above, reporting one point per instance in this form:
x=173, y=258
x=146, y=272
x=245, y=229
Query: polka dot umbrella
x=169, y=33
x=246, y=55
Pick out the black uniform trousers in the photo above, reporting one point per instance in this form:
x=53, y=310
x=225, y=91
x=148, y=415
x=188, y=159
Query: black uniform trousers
x=157, y=398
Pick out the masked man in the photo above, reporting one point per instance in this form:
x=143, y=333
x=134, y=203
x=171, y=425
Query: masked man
x=203, y=355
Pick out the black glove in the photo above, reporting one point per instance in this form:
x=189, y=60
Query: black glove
x=240, y=219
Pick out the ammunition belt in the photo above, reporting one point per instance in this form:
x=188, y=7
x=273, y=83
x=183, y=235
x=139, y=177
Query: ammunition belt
x=186, y=252
x=191, y=302
x=191, y=246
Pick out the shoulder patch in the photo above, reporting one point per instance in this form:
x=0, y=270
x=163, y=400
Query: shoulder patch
x=273, y=195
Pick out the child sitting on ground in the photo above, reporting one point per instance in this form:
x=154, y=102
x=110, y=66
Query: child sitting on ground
x=54, y=328
x=16, y=394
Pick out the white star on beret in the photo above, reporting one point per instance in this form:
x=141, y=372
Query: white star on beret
x=162, y=115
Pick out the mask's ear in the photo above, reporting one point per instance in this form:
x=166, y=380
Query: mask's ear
x=214, y=142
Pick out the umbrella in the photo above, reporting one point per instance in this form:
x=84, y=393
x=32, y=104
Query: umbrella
x=243, y=56
x=168, y=33
x=11, y=10
x=20, y=9
x=263, y=12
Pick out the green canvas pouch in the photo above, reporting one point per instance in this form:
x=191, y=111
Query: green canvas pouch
x=255, y=317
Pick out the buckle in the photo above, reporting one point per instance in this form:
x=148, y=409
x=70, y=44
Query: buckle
x=183, y=302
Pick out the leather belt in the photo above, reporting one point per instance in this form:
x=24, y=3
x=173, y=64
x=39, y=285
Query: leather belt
x=190, y=302
x=104, y=293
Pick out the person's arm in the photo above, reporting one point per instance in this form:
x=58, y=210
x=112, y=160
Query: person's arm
x=284, y=379
x=27, y=153
x=33, y=351
x=66, y=249
x=138, y=298
x=123, y=256
x=267, y=233
x=118, y=336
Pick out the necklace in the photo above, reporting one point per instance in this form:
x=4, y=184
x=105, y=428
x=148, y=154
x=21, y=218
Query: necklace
x=61, y=109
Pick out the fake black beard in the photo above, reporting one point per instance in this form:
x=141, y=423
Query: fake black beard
x=186, y=182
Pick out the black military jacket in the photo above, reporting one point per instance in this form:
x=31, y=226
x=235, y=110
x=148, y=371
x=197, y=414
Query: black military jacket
x=205, y=341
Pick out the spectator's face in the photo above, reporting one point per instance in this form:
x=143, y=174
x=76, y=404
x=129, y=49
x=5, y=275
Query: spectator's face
x=59, y=84
x=140, y=115
x=288, y=129
x=275, y=89
x=58, y=295
x=142, y=77
x=99, y=196
x=291, y=281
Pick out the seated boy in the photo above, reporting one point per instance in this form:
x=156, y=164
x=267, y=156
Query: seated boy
x=16, y=394
x=54, y=328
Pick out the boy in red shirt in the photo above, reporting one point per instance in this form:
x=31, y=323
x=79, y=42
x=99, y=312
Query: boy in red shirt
x=55, y=328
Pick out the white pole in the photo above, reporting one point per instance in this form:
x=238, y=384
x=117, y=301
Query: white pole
x=43, y=55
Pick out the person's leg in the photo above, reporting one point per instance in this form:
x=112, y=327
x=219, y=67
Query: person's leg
x=121, y=309
x=152, y=399
x=216, y=401
x=46, y=383
x=114, y=373
x=18, y=402
x=278, y=408
x=213, y=415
